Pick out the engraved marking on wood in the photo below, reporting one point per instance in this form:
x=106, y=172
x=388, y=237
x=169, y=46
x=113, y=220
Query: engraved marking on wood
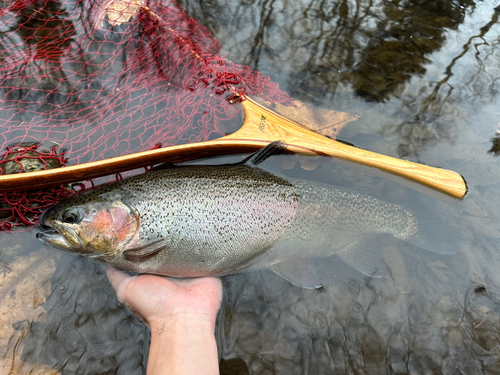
x=262, y=124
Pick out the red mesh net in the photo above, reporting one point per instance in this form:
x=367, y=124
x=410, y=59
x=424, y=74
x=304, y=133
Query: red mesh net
x=23, y=208
x=102, y=78
x=69, y=76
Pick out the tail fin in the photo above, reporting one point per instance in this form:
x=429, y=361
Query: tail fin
x=436, y=237
x=434, y=233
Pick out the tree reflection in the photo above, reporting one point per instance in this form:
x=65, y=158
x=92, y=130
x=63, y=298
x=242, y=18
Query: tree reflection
x=402, y=42
x=374, y=45
x=323, y=52
x=429, y=114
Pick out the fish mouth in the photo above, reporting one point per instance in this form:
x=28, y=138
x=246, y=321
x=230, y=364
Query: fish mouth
x=55, y=239
x=58, y=235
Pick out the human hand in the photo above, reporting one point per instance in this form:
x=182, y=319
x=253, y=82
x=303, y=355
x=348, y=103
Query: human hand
x=181, y=314
x=157, y=299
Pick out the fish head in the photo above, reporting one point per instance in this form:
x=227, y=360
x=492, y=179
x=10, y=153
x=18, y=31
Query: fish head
x=92, y=225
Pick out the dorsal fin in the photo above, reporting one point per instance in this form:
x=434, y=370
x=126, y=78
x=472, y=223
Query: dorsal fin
x=273, y=148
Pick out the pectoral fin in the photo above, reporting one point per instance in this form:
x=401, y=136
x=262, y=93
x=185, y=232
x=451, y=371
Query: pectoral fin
x=143, y=253
x=300, y=272
x=366, y=255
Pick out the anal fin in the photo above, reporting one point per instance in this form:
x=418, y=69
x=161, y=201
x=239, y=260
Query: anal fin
x=366, y=255
x=300, y=272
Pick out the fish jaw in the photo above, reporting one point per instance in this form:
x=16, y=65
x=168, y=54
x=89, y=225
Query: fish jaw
x=60, y=235
x=55, y=239
x=55, y=233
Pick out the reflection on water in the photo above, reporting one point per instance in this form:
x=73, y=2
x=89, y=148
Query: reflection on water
x=86, y=329
x=495, y=145
x=424, y=78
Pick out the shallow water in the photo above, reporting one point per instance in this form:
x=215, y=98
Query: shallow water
x=423, y=76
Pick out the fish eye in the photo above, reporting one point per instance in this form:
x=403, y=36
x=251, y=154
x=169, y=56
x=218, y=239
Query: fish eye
x=72, y=215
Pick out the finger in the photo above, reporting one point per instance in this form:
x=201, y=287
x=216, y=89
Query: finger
x=218, y=286
x=119, y=281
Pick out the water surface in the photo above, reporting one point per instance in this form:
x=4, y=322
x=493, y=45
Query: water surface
x=423, y=76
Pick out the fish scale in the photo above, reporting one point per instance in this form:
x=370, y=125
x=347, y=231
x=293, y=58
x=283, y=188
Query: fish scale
x=219, y=220
x=214, y=219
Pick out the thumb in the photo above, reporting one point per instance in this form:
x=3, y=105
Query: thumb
x=119, y=281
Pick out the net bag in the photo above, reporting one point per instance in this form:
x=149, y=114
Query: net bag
x=22, y=208
x=103, y=78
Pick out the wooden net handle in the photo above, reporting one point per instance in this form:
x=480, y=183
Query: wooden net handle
x=260, y=127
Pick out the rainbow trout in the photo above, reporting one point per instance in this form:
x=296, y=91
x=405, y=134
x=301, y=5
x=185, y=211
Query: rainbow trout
x=219, y=220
